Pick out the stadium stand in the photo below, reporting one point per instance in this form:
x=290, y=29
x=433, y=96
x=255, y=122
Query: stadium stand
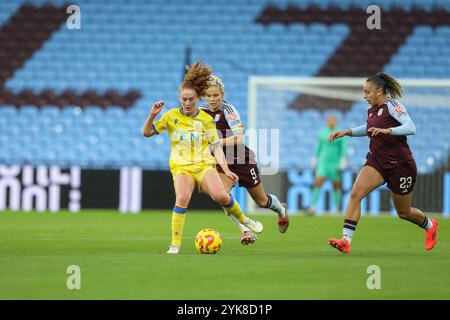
x=81, y=96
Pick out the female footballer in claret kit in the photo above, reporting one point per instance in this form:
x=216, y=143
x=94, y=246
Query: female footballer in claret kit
x=241, y=160
x=389, y=160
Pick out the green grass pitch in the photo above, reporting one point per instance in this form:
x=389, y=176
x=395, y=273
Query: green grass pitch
x=123, y=256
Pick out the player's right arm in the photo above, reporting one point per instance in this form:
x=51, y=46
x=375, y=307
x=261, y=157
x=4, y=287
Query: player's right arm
x=339, y=134
x=355, y=132
x=149, y=128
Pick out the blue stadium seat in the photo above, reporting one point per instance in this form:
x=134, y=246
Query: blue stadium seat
x=147, y=54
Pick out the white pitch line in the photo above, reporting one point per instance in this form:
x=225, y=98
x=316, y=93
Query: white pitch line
x=103, y=239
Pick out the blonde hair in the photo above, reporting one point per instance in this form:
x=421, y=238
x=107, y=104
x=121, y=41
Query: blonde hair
x=197, y=78
x=216, y=81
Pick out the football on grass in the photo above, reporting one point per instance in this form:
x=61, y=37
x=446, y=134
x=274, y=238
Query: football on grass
x=208, y=241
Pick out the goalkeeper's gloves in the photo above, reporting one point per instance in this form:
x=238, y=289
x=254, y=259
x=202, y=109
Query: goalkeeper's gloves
x=343, y=163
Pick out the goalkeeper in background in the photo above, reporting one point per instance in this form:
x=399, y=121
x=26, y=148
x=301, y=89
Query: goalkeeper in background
x=329, y=161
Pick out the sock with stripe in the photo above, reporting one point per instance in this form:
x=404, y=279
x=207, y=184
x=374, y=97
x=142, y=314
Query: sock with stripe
x=241, y=227
x=275, y=205
x=427, y=223
x=178, y=217
x=234, y=209
x=349, y=229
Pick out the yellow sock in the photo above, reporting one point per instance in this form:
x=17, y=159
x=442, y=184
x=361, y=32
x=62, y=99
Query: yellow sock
x=235, y=209
x=178, y=217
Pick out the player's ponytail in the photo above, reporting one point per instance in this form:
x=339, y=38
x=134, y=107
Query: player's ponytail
x=389, y=84
x=197, y=78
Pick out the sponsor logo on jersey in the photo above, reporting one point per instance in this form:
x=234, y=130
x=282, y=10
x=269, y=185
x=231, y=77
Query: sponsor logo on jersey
x=400, y=111
x=239, y=127
x=185, y=136
x=398, y=108
x=198, y=125
x=233, y=116
x=235, y=123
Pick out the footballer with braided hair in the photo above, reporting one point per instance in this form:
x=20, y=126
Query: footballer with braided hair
x=389, y=159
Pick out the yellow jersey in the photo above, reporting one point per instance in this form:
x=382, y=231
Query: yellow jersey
x=190, y=137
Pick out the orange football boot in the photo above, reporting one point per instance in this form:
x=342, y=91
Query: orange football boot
x=431, y=235
x=341, y=244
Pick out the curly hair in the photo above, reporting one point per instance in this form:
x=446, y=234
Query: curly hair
x=197, y=78
x=388, y=83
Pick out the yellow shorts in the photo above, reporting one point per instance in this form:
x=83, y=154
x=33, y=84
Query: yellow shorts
x=196, y=171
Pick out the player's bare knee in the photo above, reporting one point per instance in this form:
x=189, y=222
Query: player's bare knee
x=221, y=198
x=183, y=200
x=403, y=214
x=356, y=194
x=228, y=188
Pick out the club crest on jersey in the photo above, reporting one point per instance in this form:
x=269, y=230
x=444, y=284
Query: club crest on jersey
x=175, y=121
x=380, y=112
x=217, y=117
x=198, y=125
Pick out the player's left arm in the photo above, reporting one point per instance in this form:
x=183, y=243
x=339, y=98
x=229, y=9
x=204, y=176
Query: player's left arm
x=237, y=127
x=221, y=160
x=216, y=150
x=399, y=113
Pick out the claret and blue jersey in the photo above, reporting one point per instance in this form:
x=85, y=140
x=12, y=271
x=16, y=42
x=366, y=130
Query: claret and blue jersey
x=389, y=150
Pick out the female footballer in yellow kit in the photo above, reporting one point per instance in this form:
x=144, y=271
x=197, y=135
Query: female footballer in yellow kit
x=195, y=148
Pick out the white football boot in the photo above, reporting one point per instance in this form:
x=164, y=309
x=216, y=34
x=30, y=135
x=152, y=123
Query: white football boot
x=253, y=225
x=173, y=249
x=248, y=237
